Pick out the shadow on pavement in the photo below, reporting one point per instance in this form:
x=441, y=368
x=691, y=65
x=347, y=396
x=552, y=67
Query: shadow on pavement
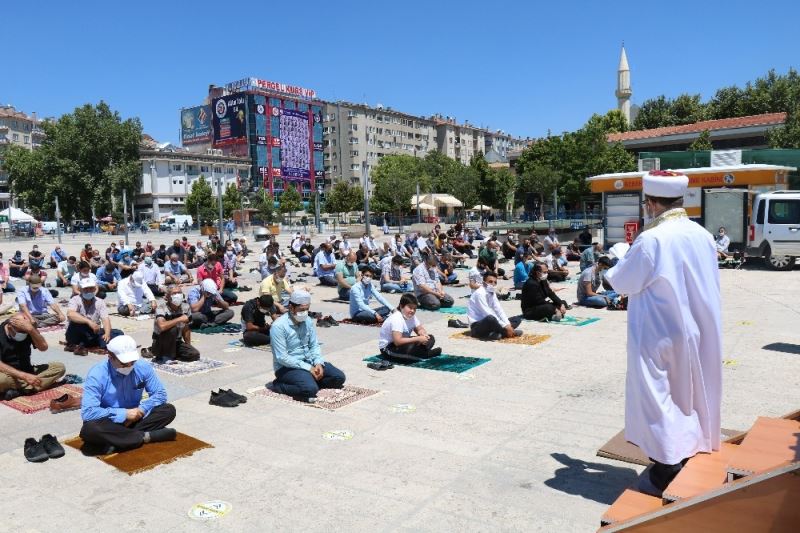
x=784, y=347
x=594, y=481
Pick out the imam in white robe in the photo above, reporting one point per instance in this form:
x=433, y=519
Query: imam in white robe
x=673, y=388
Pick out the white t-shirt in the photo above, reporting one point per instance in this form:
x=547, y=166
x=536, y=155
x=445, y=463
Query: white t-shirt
x=396, y=322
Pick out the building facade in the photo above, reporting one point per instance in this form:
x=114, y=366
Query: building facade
x=459, y=141
x=17, y=129
x=168, y=173
x=502, y=143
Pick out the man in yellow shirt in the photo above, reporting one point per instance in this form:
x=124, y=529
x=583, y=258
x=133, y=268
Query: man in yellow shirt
x=276, y=284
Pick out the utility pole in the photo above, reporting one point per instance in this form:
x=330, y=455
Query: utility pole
x=219, y=204
x=58, y=221
x=419, y=216
x=365, y=171
x=125, y=214
x=317, y=220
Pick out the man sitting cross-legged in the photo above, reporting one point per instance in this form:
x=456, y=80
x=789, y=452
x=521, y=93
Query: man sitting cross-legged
x=300, y=370
x=135, y=297
x=17, y=375
x=172, y=338
x=175, y=272
x=202, y=298
x=255, y=330
x=347, y=275
x=535, y=293
x=115, y=418
x=89, y=325
x=487, y=320
x=360, y=295
x=396, y=339
x=37, y=305
x=428, y=288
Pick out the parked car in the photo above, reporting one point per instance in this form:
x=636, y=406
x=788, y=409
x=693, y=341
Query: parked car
x=775, y=229
x=50, y=227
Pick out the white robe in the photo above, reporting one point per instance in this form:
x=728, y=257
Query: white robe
x=673, y=388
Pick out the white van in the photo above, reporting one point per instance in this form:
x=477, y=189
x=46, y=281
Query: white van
x=176, y=222
x=51, y=227
x=775, y=229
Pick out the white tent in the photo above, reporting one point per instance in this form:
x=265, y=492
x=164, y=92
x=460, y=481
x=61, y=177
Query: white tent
x=17, y=215
x=481, y=207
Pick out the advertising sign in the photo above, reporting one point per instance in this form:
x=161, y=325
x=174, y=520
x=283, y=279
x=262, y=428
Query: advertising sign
x=254, y=84
x=196, y=125
x=631, y=229
x=295, y=147
x=230, y=119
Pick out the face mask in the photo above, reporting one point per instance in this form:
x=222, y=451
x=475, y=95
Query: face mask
x=88, y=296
x=490, y=289
x=20, y=336
x=300, y=316
x=176, y=299
x=148, y=261
x=263, y=311
x=174, y=262
x=366, y=281
x=125, y=370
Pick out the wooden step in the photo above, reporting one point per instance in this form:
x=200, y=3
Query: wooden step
x=771, y=442
x=630, y=503
x=703, y=472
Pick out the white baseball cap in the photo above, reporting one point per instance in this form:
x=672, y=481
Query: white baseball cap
x=85, y=283
x=124, y=348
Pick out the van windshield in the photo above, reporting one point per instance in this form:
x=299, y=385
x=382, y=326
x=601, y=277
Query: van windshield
x=784, y=212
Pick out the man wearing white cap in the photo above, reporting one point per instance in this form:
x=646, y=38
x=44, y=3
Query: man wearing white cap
x=115, y=418
x=202, y=299
x=135, y=297
x=300, y=370
x=674, y=381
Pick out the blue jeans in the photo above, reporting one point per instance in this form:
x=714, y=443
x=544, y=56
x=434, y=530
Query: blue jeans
x=368, y=317
x=397, y=286
x=598, y=301
x=328, y=281
x=344, y=294
x=299, y=383
x=9, y=287
x=83, y=334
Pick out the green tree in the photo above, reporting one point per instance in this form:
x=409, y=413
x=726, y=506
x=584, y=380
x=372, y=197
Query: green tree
x=265, y=205
x=231, y=200
x=536, y=179
x=394, y=181
x=662, y=111
x=344, y=197
x=87, y=157
x=703, y=142
x=200, y=202
x=439, y=173
x=788, y=135
x=290, y=201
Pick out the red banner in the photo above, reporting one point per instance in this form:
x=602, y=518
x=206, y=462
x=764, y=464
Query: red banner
x=631, y=229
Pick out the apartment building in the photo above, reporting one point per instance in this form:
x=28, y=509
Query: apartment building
x=358, y=134
x=20, y=129
x=502, y=143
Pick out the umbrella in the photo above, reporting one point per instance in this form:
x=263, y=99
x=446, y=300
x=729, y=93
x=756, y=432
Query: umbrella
x=107, y=219
x=481, y=207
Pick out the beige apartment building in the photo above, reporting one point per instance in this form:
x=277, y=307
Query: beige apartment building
x=459, y=141
x=20, y=129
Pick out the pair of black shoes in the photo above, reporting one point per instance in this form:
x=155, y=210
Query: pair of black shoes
x=456, y=323
x=226, y=398
x=327, y=322
x=42, y=450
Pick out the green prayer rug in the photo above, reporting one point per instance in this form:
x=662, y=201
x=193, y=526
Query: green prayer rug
x=455, y=310
x=442, y=363
x=570, y=320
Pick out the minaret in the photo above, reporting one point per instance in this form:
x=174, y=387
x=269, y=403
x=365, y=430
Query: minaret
x=624, y=86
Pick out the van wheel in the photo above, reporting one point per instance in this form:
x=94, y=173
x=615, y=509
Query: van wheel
x=779, y=262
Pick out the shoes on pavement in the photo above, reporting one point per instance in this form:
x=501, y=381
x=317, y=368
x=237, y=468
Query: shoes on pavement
x=322, y=323
x=147, y=353
x=456, y=323
x=69, y=348
x=65, y=403
x=51, y=446
x=223, y=399
x=494, y=336
x=81, y=350
x=332, y=321
x=34, y=451
x=240, y=397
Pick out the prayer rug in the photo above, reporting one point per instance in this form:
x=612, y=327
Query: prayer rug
x=94, y=349
x=442, y=363
x=50, y=329
x=619, y=449
x=184, y=368
x=136, y=318
x=41, y=400
x=352, y=322
x=455, y=310
x=328, y=399
x=569, y=320
x=526, y=338
x=149, y=455
x=240, y=344
x=229, y=329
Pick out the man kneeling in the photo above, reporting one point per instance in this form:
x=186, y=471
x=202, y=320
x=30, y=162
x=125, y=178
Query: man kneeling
x=487, y=320
x=172, y=338
x=360, y=294
x=300, y=370
x=115, y=418
x=396, y=341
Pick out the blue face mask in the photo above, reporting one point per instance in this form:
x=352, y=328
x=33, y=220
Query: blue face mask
x=88, y=296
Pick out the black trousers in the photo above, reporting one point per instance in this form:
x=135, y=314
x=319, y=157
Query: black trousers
x=170, y=345
x=99, y=434
x=661, y=475
x=484, y=327
x=539, y=312
x=255, y=338
x=421, y=351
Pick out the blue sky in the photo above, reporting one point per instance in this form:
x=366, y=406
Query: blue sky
x=525, y=67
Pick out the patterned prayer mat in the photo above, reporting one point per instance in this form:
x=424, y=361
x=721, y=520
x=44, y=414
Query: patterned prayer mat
x=137, y=318
x=228, y=329
x=328, y=399
x=240, y=344
x=354, y=323
x=569, y=320
x=41, y=400
x=526, y=338
x=183, y=368
x=455, y=310
x=442, y=363
x=50, y=329
x=148, y=456
x=94, y=349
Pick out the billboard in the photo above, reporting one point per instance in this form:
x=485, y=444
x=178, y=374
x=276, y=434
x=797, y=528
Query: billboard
x=196, y=125
x=230, y=119
x=295, y=146
x=255, y=84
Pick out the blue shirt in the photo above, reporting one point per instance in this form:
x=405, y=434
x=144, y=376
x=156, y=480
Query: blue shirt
x=38, y=302
x=107, y=394
x=323, y=259
x=294, y=345
x=108, y=277
x=360, y=296
x=521, y=273
x=176, y=269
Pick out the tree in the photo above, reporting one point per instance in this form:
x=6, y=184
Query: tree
x=344, y=197
x=290, y=201
x=537, y=179
x=265, y=205
x=703, y=142
x=87, y=157
x=788, y=135
x=231, y=200
x=200, y=201
x=663, y=111
x=395, y=180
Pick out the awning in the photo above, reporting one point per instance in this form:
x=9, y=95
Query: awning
x=446, y=199
x=425, y=207
x=481, y=207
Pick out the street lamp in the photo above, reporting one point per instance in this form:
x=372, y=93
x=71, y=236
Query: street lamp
x=365, y=171
x=317, y=220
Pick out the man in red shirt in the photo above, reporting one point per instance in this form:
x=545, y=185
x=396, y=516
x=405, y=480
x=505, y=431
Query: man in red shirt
x=212, y=269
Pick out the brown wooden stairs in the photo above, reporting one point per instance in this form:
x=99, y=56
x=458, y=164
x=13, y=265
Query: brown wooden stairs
x=752, y=484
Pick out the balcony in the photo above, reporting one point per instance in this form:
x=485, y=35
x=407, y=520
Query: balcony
x=36, y=132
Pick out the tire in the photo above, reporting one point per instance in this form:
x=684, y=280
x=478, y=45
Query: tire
x=778, y=262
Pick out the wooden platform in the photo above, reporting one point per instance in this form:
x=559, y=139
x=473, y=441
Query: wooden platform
x=703, y=472
x=770, y=443
x=630, y=503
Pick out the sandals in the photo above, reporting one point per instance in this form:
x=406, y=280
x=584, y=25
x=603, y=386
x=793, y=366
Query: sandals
x=380, y=365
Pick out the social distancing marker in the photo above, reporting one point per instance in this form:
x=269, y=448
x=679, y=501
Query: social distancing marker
x=745, y=323
x=466, y=377
x=403, y=408
x=338, y=434
x=210, y=510
x=730, y=362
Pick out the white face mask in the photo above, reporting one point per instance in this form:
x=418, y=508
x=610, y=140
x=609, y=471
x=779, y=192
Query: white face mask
x=300, y=316
x=125, y=370
x=176, y=299
x=20, y=336
x=366, y=281
x=490, y=289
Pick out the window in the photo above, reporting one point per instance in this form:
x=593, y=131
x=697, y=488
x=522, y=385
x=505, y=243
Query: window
x=353, y=153
x=218, y=170
x=27, y=139
x=784, y=212
x=353, y=140
x=230, y=170
x=177, y=168
x=15, y=137
x=203, y=168
x=355, y=166
x=353, y=127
